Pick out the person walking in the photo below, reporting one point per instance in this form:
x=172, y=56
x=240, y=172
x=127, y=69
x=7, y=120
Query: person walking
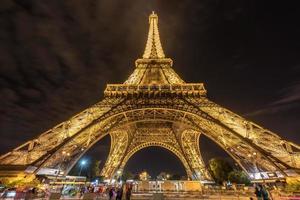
x=82, y=189
x=119, y=193
x=258, y=192
x=128, y=192
x=264, y=192
x=111, y=193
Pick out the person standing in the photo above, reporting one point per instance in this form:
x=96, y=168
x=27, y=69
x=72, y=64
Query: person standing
x=111, y=193
x=82, y=191
x=258, y=192
x=264, y=193
x=128, y=192
x=119, y=193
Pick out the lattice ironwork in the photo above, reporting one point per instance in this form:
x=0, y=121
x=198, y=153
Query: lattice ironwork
x=155, y=107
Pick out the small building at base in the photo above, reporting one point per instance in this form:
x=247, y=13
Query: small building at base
x=167, y=185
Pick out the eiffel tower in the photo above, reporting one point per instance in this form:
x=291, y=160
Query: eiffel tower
x=155, y=107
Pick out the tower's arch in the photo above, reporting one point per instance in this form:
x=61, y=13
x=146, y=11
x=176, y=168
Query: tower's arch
x=245, y=152
x=153, y=105
x=163, y=145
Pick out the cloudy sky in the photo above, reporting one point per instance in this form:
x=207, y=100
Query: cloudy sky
x=56, y=57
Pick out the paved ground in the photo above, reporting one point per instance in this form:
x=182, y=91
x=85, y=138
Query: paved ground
x=178, y=196
x=184, y=196
x=193, y=197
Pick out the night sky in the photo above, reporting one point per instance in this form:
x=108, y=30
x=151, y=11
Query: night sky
x=56, y=57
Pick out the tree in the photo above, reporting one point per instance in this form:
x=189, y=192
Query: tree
x=144, y=176
x=127, y=175
x=96, y=168
x=219, y=169
x=95, y=171
x=136, y=177
x=238, y=177
x=163, y=176
x=29, y=181
x=293, y=185
x=175, y=177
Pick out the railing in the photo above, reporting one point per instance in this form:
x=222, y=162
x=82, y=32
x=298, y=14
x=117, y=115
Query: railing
x=195, y=89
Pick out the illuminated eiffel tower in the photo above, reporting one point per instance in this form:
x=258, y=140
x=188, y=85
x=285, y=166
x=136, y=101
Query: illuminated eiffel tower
x=155, y=107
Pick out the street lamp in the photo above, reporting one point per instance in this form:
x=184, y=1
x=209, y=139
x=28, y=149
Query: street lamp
x=119, y=173
x=82, y=163
x=168, y=176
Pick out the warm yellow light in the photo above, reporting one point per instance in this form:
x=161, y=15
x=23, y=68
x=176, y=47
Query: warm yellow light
x=153, y=46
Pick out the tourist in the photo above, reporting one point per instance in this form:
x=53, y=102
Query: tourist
x=82, y=190
x=119, y=193
x=111, y=193
x=258, y=192
x=128, y=192
x=264, y=192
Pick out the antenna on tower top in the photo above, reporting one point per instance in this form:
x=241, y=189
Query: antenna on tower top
x=153, y=46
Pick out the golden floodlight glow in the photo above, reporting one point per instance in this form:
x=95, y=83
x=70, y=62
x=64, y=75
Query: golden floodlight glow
x=153, y=46
x=155, y=107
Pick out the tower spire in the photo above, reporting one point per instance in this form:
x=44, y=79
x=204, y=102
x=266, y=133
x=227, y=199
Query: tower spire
x=153, y=46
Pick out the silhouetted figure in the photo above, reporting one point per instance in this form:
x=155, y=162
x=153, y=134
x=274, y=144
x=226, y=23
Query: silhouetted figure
x=128, y=192
x=258, y=192
x=82, y=191
x=264, y=192
x=111, y=193
x=119, y=193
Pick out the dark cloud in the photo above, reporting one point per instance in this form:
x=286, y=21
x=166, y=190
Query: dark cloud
x=289, y=98
x=289, y=95
x=56, y=57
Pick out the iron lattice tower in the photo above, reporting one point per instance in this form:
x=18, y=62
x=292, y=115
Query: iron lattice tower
x=155, y=107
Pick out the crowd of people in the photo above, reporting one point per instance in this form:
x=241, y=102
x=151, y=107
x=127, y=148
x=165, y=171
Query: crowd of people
x=117, y=192
x=113, y=192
